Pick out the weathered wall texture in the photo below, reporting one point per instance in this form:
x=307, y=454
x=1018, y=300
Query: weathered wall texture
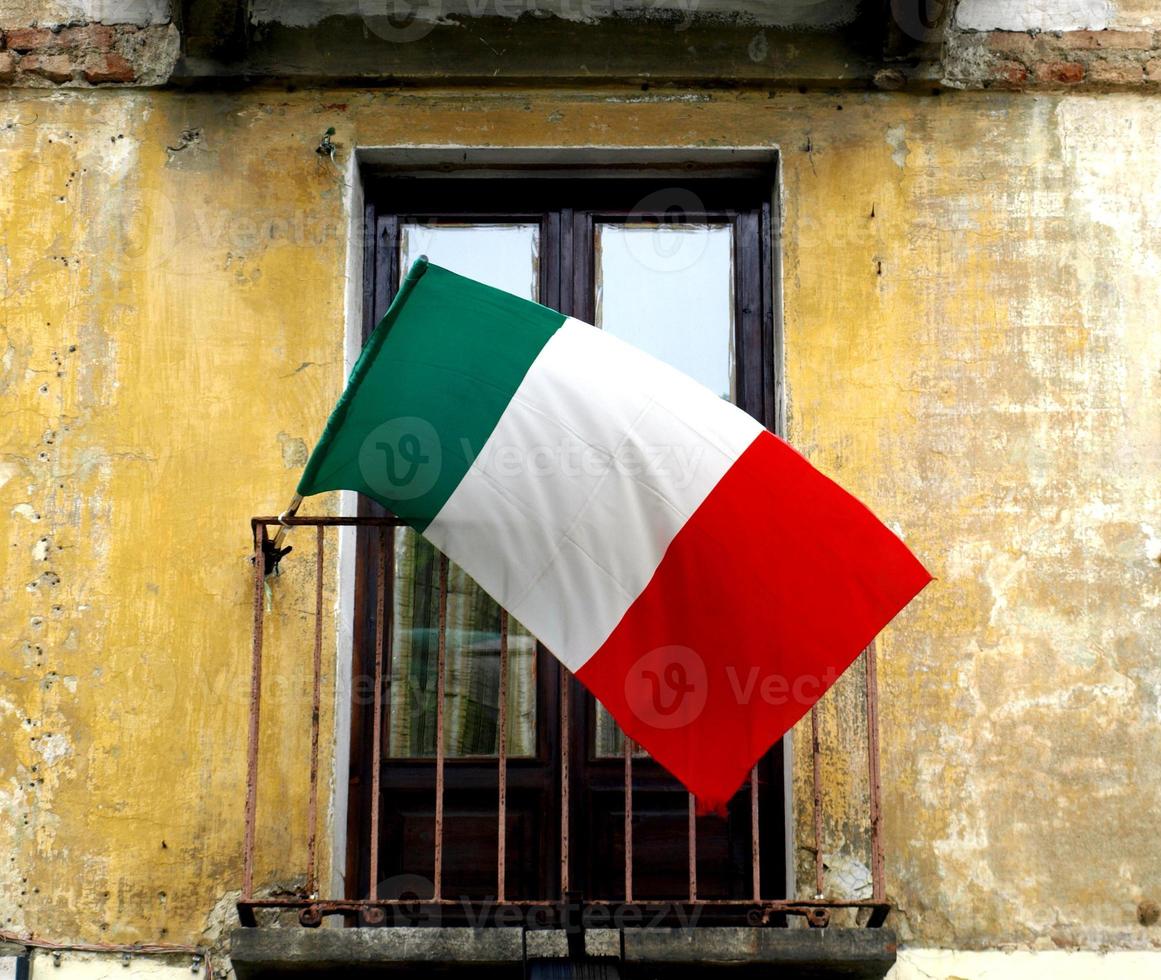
x=971, y=284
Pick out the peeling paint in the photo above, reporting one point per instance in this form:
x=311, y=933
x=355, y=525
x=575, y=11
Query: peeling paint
x=53, y=748
x=1034, y=15
x=294, y=451
x=897, y=140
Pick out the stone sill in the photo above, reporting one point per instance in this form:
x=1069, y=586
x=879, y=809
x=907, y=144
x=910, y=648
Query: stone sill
x=502, y=952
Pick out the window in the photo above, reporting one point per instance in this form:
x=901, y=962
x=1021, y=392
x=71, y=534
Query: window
x=680, y=265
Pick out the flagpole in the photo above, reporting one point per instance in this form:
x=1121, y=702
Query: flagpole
x=295, y=503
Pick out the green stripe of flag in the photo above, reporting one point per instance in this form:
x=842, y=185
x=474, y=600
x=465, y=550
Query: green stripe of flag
x=427, y=391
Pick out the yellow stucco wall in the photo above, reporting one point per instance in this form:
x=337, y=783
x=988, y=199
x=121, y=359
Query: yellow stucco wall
x=978, y=361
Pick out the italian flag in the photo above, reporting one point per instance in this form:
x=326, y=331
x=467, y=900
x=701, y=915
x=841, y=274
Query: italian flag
x=697, y=574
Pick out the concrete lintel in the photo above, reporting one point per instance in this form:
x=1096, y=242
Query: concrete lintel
x=708, y=50
x=433, y=160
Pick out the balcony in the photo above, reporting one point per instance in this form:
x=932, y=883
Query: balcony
x=567, y=846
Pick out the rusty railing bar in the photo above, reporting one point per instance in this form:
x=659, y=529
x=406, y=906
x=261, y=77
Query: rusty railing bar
x=328, y=521
x=502, y=763
x=878, y=884
x=316, y=694
x=255, y=703
x=627, y=747
x=710, y=903
x=260, y=525
x=377, y=723
x=816, y=752
x=692, y=849
x=755, y=844
x=565, y=741
x=440, y=662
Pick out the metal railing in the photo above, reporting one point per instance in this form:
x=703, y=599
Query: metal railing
x=570, y=907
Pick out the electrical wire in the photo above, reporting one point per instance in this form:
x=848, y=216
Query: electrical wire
x=150, y=948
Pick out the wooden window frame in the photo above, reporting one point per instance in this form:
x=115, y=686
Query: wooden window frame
x=567, y=204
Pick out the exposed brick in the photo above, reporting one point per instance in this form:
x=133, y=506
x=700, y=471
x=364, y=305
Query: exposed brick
x=1009, y=72
x=110, y=67
x=54, y=67
x=32, y=39
x=1016, y=43
x=1106, y=40
x=99, y=36
x=1116, y=72
x=1153, y=70
x=7, y=66
x=1060, y=72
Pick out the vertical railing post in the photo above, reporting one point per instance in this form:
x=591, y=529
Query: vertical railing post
x=692, y=849
x=878, y=885
x=440, y=664
x=316, y=695
x=627, y=748
x=565, y=743
x=755, y=841
x=377, y=716
x=502, y=764
x=255, y=705
x=816, y=751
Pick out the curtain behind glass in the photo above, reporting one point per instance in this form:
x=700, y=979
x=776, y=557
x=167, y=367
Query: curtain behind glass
x=472, y=664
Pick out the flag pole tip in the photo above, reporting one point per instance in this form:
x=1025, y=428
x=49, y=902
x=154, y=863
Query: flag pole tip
x=418, y=268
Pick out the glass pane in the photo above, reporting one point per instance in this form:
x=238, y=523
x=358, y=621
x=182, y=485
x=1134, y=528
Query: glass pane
x=472, y=671
x=505, y=256
x=669, y=290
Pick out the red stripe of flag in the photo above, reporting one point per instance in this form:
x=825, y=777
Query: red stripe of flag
x=764, y=597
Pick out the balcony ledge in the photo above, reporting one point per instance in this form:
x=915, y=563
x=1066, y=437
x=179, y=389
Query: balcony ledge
x=259, y=953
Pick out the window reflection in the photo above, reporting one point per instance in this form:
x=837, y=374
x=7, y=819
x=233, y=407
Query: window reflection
x=504, y=256
x=668, y=289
